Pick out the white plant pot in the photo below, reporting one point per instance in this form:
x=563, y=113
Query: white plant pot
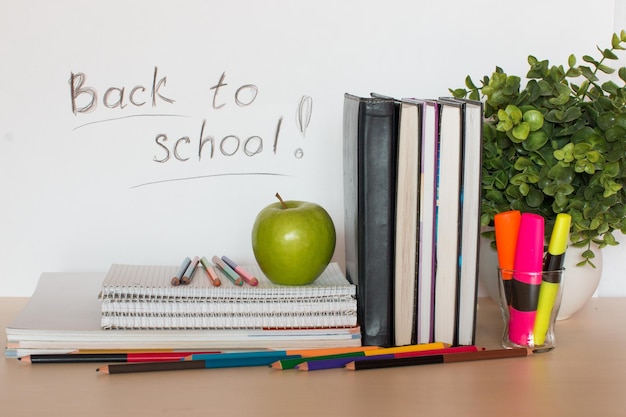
x=579, y=283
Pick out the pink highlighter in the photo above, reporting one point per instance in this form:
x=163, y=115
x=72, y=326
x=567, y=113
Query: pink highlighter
x=526, y=279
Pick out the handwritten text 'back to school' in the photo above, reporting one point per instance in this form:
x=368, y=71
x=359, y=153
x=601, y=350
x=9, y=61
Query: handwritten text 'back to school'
x=86, y=98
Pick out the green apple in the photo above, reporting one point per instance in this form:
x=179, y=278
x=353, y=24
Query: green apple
x=293, y=241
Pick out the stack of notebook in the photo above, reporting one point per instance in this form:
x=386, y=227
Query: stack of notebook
x=135, y=307
x=141, y=297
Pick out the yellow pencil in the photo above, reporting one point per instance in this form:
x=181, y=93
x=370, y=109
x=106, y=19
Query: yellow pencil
x=407, y=348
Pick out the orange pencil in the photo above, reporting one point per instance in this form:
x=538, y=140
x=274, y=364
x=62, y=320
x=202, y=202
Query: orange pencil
x=507, y=226
x=215, y=280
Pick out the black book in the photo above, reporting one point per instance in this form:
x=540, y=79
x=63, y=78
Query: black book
x=370, y=128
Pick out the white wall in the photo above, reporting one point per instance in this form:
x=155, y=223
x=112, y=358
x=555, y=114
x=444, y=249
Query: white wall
x=613, y=282
x=83, y=190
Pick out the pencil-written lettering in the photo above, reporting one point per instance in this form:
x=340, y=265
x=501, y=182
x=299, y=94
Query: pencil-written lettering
x=84, y=98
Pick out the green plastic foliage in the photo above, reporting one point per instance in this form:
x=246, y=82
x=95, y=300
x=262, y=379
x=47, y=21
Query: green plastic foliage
x=557, y=144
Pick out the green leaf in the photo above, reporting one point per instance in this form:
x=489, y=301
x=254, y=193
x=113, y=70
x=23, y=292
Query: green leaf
x=611, y=169
x=514, y=113
x=584, y=87
x=588, y=74
x=590, y=60
x=573, y=72
x=571, y=114
x=605, y=69
x=536, y=140
x=534, y=198
x=616, y=42
x=610, y=87
x=459, y=93
x=614, y=133
x=521, y=131
x=608, y=54
x=571, y=60
x=469, y=83
x=606, y=120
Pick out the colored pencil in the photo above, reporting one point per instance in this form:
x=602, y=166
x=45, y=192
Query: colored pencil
x=408, y=348
x=433, y=359
x=330, y=351
x=189, y=351
x=181, y=270
x=191, y=269
x=105, y=357
x=334, y=363
x=290, y=352
x=275, y=354
x=314, y=364
x=228, y=271
x=245, y=275
x=184, y=365
x=311, y=355
x=215, y=280
x=295, y=363
x=150, y=367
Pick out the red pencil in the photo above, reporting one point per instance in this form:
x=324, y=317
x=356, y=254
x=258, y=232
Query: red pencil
x=107, y=357
x=433, y=359
x=444, y=351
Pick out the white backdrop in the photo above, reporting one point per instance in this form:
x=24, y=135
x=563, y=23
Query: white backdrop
x=144, y=132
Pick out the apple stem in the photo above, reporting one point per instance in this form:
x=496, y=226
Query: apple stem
x=281, y=200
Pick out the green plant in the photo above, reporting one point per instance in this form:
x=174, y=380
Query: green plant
x=557, y=144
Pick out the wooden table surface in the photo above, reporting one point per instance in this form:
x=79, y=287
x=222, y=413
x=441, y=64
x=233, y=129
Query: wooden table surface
x=584, y=376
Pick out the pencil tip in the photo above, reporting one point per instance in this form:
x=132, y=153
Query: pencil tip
x=304, y=366
x=103, y=369
x=350, y=366
x=276, y=365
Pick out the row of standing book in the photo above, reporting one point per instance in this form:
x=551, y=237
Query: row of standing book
x=412, y=184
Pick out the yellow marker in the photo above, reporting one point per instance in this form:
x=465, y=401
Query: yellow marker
x=551, y=279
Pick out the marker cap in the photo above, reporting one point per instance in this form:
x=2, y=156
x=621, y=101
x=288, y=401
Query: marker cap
x=560, y=234
x=529, y=249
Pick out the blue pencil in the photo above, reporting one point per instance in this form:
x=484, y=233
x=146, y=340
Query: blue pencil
x=124, y=368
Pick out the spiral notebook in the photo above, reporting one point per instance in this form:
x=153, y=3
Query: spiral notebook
x=137, y=282
x=141, y=297
x=64, y=314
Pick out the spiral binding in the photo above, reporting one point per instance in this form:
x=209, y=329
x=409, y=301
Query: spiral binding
x=141, y=297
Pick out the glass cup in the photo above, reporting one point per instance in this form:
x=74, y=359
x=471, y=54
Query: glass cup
x=529, y=302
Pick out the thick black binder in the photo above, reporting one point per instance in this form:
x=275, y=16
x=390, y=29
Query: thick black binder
x=369, y=155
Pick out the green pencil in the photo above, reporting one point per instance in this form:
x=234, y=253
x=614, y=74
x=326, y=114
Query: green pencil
x=293, y=362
